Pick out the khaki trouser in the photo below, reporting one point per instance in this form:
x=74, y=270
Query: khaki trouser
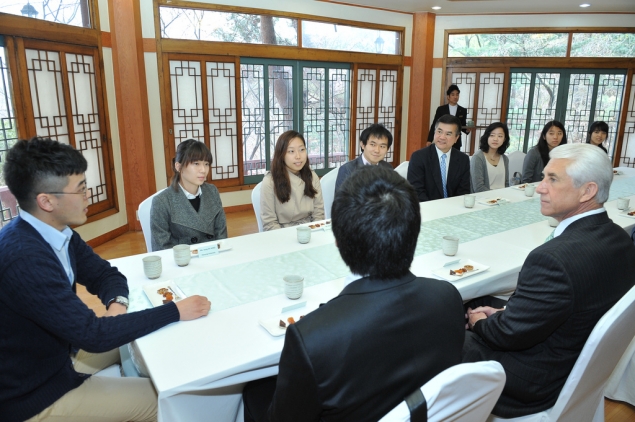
x=103, y=399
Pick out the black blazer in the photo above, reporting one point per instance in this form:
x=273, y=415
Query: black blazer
x=348, y=168
x=461, y=114
x=424, y=174
x=564, y=288
x=358, y=356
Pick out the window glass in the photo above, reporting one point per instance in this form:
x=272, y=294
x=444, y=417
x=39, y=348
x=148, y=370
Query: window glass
x=330, y=36
x=603, y=45
x=69, y=12
x=507, y=45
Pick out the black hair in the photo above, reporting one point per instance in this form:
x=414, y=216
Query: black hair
x=452, y=88
x=378, y=131
x=280, y=174
x=449, y=119
x=483, y=143
x=376, y=222
x=543, y=146
x=601, y=126
x=188, y=152
x=40, y=165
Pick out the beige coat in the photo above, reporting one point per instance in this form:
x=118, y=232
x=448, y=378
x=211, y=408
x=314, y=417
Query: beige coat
x=299, y=209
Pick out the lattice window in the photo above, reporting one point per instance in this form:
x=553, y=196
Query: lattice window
x=8, y=137
x=64, y=96
x=378, y=96
x=204, y=107
x=627, y=157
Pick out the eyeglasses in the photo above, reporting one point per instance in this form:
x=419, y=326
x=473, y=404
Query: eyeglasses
x=83, y=192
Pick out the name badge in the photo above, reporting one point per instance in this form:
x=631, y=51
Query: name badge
x=209, y=250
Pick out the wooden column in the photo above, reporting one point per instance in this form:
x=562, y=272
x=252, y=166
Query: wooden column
x=132, y=105
x=420, y=81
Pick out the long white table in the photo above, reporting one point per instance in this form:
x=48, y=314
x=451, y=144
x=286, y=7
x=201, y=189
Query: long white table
x=199, y=367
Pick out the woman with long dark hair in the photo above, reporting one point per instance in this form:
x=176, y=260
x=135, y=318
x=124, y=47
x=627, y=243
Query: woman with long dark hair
x=189, y=211
x=489, y=167
x=598, y=132
x=291, y=193
x=552, y=135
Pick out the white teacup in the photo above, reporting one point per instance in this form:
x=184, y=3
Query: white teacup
x=152, y=266
x=304, y=234
x=623, y=203
x=293, y=286
x=530, y=189
x=182, y=255
x=469, y=200
x=450, y=245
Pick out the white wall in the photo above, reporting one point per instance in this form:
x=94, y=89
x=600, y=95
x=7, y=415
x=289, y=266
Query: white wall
x=447, y=22
x=309, y=7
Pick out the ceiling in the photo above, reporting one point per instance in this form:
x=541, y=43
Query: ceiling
x=498, y=6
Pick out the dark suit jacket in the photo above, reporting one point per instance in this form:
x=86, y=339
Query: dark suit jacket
x=564, y=288
x=461, y=114
x=424, y=174
x=358, y=356
x=348, y=168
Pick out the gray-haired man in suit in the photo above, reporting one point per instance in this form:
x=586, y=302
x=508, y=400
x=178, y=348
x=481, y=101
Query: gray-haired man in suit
x=564, y=286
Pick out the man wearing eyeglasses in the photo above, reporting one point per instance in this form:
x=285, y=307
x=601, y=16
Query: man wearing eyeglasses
x=51, y=343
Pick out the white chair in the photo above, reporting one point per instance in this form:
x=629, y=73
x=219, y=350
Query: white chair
x=402, y=169
x=582, y=397
x=328, y=190
x=113, y=371
x=463, y=393
x=255, y=202
x=516, y=160
x=621, y=384
x=143, y=213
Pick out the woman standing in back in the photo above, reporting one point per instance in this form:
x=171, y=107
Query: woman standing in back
x=189, y=211
x=553, y=134
x=291, y=194
x=489, y=167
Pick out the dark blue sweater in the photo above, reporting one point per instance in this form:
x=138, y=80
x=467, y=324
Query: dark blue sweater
x=41, y=317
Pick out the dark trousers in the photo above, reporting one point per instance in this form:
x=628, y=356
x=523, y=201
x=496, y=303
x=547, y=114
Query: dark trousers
x=257, y=397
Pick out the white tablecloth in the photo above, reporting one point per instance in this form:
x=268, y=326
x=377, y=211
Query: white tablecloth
x=199, y=367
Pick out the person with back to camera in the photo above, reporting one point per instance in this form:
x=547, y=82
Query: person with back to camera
x=598, y=132
x=552, y=135
x=489, y=167
x=291, y=193
x=51, y=342
x=189, y=211
x=385, y=335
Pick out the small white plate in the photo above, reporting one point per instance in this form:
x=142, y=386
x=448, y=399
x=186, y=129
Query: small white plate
x=626, y=213
x=156, y=298
x=490, y=202
x=617, y=173
x=319, y=225
x=222, y=247
x=521, y=186
x=272, y=324
x=444, y=272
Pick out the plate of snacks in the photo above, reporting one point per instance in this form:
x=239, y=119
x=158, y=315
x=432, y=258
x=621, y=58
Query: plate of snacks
x=320, y=225
x=617, y=172
x=630, y=213
x=277, y=325
x=164, y=292
x=490, y=202
x=462, y=269
x=522, y=186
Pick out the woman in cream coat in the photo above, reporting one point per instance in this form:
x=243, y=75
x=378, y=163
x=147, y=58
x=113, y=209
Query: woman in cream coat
x=291, y=194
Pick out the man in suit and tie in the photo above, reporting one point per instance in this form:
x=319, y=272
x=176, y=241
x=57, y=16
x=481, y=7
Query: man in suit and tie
x=375, y=142
x=564, y=286
x=358, y=356
x=453, y=108
x=438, y=171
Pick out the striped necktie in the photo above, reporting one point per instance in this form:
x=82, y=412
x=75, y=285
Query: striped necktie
x=443, y=176
x=550, y=236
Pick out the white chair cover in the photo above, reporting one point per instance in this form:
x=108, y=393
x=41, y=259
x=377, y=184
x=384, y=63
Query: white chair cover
x=516, y=160
x=113, y=371
x=255, y=202
x=582, y=397
x=463, y=393
x=402, y=169
x=621, y=385
x=328, y=190
x=143, y=213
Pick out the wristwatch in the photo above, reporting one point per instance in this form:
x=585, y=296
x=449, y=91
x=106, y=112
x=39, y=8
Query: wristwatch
x=119, y=299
